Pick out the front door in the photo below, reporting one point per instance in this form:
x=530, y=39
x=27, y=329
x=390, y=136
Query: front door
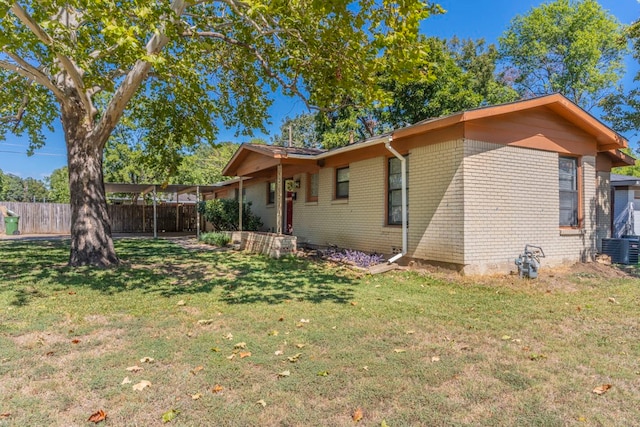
x=288, y=229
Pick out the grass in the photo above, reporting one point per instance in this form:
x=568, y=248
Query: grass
x=408, y=348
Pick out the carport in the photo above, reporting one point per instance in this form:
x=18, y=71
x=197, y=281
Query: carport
x=200, y=191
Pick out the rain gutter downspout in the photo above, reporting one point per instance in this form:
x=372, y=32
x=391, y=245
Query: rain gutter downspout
x=403, y=172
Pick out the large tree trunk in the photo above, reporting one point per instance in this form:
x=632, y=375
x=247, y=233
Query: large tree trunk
x=91, y=241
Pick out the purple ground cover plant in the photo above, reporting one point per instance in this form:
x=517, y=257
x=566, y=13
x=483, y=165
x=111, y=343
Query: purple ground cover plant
x=348, y=256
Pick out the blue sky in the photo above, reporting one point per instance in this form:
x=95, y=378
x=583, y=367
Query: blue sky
x=474, y=19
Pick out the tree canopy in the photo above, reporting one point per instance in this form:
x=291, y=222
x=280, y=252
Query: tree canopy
x=572, y=47
x=175, y=69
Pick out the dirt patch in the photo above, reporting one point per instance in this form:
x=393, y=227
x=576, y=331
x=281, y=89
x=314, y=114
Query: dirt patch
x=562, y=278
x=192, y=244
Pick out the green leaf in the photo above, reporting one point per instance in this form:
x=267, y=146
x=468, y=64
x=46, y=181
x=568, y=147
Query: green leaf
x=170, y=415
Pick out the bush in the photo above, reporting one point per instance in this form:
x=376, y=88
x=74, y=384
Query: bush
x=216, y=239
x=223, y=215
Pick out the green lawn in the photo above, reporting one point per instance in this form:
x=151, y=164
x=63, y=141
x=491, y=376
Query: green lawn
x=242, y=340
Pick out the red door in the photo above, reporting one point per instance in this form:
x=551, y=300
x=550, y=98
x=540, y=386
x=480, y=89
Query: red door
x=288, y=229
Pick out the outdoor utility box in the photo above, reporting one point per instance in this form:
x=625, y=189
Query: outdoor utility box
x=622, y=251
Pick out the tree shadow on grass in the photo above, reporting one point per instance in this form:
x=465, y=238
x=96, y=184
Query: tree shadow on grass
x=160, y=267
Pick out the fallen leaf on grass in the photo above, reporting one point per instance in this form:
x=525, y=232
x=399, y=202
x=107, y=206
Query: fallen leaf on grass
x=229, y=336
x=278, y=352
x=170, y=415
x=323, y=373
x=410, y=332
x=244, y=354
x=399, y=350
x=262, y=403
x=215, y=349
x=506, y=337
x=384, y=424
x=612, y=300
x=435, y=359
x=5, y=415
x=205, y=321
x=357, y=415
x=196, y=396
x=281, y=319
x=50, y=353
x=602, y=389
x=240, y=345
x=147, y=360
x=537, y=356
x=197, y=369
x=98, y=416
x=134, y=368
x=354, y=303
x=141, y=385
x=304, y=320
x=126, y=380
x=75, y=341
x=300, y=345
x=217, y=388
x=295, y=358
x=181, y=302
x=273, y=333
x=284, y=374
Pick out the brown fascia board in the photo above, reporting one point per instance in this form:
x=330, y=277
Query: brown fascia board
x=620, y=159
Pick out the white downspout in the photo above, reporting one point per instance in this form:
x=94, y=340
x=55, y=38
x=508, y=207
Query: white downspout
x=403, y=172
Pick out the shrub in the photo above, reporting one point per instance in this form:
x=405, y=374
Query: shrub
x=223, y=215
x=217, y=239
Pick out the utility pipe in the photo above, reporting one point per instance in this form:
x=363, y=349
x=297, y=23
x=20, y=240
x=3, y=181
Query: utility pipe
x=403, y=173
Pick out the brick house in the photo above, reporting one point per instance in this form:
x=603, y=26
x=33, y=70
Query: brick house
x=479, y=186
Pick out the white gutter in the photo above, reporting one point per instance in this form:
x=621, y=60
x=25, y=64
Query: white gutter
x=405, y=228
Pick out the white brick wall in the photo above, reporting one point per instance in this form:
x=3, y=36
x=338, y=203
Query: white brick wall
x=511, y=199
x=436, y=212
x=357, y=223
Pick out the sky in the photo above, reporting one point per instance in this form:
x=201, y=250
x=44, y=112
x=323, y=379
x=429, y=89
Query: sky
x=474, y=19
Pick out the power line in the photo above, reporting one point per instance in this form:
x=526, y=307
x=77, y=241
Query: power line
x=34, y=154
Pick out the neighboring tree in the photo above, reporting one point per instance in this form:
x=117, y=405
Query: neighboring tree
x=59, y=185
x=16, y=189
x=566, y=46
x=204, y=166
x=173, y=68
x=452, y=77
x=299, y=131
x=1, y=184
x=623, y=110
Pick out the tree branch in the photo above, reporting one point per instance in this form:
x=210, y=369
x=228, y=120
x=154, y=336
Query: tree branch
x=67, y=64
x=132, y=81
x=30, y=72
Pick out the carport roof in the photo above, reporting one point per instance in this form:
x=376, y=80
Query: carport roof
x=113, y=187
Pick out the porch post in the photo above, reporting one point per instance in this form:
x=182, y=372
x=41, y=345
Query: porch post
x=178, y=211
x=279, y=192
x=197, y=212
x=155, y=214
x=240, y=205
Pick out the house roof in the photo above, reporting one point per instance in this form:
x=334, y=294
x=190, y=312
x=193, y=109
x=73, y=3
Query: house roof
x=608, y=141
x=624, y=180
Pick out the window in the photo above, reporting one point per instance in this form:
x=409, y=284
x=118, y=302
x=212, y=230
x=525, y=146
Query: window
x=342, y=183
x=271, y=193
x=244, y=195
x=568, y=184
x=312, y=187
x=394, y=195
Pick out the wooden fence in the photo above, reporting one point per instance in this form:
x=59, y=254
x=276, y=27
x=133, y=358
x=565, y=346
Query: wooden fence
x=55, y=218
